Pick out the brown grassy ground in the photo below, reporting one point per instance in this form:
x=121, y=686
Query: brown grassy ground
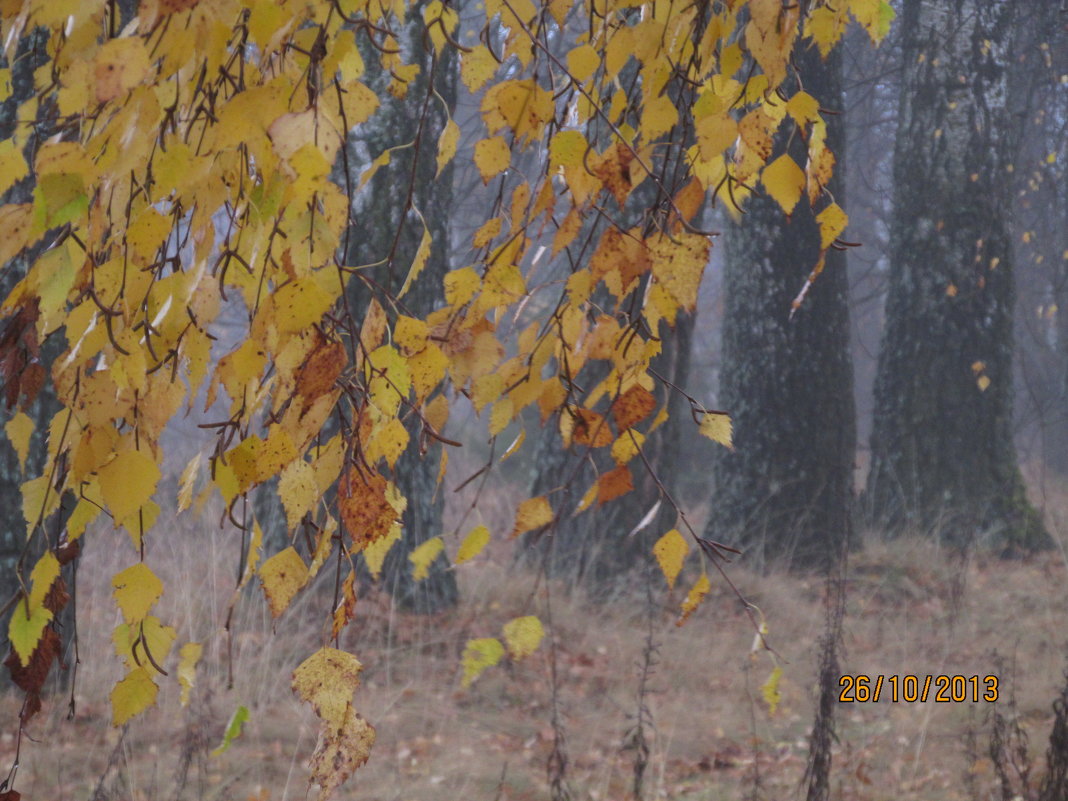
x=912, y=609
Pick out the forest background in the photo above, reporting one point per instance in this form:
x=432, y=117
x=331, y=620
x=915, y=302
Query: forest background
x=297, y=255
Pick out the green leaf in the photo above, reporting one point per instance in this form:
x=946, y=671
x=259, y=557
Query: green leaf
x=233, y=729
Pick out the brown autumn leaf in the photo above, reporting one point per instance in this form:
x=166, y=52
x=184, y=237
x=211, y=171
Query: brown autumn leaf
x=31, y=677
x=57, y=598
x=614, y=484
x=591, y=429
x=320, y=371
x=632, y=407
x=614, y=171
x=365, y=510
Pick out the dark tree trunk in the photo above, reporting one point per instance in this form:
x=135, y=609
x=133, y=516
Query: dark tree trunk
x=943, y=458
x=14, y=546
x=785, y=491
x=371, y=240
x=597, y=549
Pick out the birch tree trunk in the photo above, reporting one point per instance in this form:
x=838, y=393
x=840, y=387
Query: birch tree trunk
x=943, y=458
x=389, y=229
x=785, y=492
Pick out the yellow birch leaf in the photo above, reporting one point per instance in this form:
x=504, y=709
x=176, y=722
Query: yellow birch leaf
x=693, y=598
x=24, y=630
x=582, y=62
x=410, y=334
x=44, y=574
x=478, y=655
x=136, y=590
x=476, y=539
x=825, y=26
x=422, y=254
x=523, y=636
x=492, y=157
x=627, y=446
x=832, y=222
x=298, y=490
x=450, y=137
x=19, y=429
x=502, y=414
x=589, y=497
x=532, y=513
x=375, y=553
x=299, y=304
x=717, y=427
x=282, y=577
x=326, y=680
x=13, y=166
x=770, y=690
x=127, y=483
x=461, y=285
x=119, y=65
x=567, y=149
x=670, y=552
x=328, y=463
x=659, y=116
x=359, y=103
x=387, y=443
x=423, y=556
x=134, y=644
x=188, y=657
x=428, y=368
x=566, y=233
x=132, y=696
x=784, y=181
x=679, y=264
x=983, y=382
x=440, y=21
x=84, y=514
x=390, y=381
x=486, y=232
x=803, y=107
x=477, y=67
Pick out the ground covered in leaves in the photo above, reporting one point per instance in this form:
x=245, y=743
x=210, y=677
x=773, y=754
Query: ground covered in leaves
x=912, y=609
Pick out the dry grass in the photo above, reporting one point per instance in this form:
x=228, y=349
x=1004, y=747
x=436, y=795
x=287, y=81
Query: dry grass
x=912, y=609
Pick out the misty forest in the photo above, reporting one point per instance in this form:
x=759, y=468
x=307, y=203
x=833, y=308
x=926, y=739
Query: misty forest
x=519, y=399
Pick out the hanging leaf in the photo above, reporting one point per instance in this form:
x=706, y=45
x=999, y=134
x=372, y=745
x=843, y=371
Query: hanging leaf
x=233, y=730
x=523, y=636
x=479, y=655
x=423, y=557
x=670, y=552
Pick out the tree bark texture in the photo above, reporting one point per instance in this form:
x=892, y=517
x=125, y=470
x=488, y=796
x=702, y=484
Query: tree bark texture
x=15, y=552
x=411, y=181
x=785, y=492
x=943, y=458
